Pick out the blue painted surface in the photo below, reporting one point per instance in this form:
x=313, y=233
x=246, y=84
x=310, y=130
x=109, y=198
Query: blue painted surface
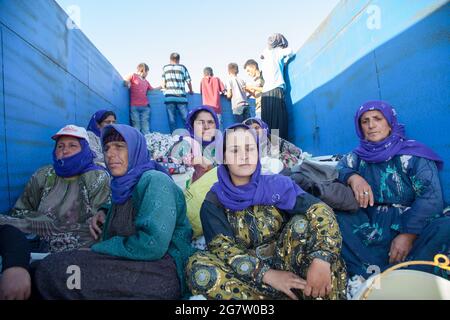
x=51, y=76
x=4, y=185
x=344, y=64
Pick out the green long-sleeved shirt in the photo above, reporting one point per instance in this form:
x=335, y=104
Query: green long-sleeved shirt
x=161, y=225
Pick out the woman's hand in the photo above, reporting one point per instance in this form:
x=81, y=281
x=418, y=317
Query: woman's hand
x=15, y=284
x=318, y=279
x=284, y=281
x=362, y=190
x=96, y=224
x=401, y=246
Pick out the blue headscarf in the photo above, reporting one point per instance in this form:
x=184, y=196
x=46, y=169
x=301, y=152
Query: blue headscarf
x=138, y=162
x=76, y=164
x=272, y=190
x=395, y=144
x=190, y=122
x=97, y=118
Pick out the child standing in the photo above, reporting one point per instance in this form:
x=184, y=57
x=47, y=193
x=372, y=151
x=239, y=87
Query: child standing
x=251, y=66
x=211, y=88
x=139, y=105
x=236, y=92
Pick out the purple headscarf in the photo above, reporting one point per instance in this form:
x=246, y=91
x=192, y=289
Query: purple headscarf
x=190, y=122
x=261, y=123
x=395, y=144
x=138, y=162
x=76, y=164
x=97, y=118
x=273, y=190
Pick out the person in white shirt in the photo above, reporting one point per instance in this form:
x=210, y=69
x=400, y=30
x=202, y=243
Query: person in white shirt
x=273, y=106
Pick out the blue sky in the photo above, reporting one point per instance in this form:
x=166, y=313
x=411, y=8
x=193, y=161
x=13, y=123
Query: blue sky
x=205, y=33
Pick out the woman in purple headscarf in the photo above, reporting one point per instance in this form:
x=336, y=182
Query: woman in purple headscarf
x=98, y=121
x=266, y=237
x=396, y=182
x=144, y=237
x=198, y=149
x=274, y=147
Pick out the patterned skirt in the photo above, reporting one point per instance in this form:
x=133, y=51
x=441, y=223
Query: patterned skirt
x=274, y=112
x=211, y=276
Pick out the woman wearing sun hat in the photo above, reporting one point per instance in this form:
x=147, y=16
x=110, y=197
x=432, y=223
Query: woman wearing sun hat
x=60, y=198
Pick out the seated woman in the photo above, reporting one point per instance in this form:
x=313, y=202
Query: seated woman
x=59, y=199
x=145, y=238
x=198, y=149
x=274, y=146
x=396, y=182
x=266, y=237
x=98, y=121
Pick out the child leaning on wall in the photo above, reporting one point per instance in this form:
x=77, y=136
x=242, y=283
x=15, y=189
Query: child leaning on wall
x=236, y=92
x=139, y=104
x=211, y=88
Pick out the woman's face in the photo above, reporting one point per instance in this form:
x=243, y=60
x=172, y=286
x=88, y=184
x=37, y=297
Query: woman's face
x=116, y=157
x=258, y=129
x=107, y=121
x=241, y=154
x=374, y=126
x=205, y=126
x=67, y=146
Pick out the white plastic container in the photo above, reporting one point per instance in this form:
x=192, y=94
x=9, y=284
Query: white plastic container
x=405, y=285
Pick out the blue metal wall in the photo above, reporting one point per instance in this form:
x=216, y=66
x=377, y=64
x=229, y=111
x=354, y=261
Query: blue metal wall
x=50, y=76
x=345, y=63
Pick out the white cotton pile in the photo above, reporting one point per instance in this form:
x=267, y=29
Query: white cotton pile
x=354, y=285
x=199, y=243
x=159, y=144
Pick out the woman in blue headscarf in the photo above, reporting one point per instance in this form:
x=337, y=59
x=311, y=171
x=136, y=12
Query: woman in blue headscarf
x=396, y=182
x=60, y=198
x=144, y=238
x=266, y=237
x=98, y=121
x=198, y=149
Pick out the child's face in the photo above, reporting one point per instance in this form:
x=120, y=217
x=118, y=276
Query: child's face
x=143, y=73
x=251, y=71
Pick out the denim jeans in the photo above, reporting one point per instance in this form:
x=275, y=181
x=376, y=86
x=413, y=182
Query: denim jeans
x=246, y=113
x=172, y=107
x=140, y=118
